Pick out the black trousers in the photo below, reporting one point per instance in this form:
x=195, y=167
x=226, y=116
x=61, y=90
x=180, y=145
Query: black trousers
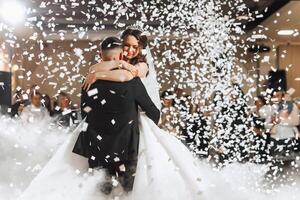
x=124, y=171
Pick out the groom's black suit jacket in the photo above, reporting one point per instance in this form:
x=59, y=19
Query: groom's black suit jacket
x=112, y=116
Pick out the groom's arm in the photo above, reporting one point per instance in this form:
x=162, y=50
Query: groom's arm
x=84, y=104
x=144, y=101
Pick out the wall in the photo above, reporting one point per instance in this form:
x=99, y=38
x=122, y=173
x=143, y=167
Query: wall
x=55, y=68
x=288, y=54
x=63, y=69
x=289, y=60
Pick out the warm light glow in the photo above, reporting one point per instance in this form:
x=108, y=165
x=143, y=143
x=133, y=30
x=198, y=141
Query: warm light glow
x=285, y=32
x=3, y=62
x=1, y=65
x=15, y=68
x=12, y=12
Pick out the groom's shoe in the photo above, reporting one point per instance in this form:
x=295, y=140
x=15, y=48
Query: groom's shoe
x=106, y=187
x=127, y=183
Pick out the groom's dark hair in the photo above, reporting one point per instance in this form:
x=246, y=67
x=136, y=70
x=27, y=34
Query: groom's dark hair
x=110, y=43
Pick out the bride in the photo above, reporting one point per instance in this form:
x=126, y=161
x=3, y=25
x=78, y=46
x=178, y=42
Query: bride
x=165, y=170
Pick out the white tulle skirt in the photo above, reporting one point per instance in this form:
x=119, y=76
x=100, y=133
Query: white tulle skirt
x=166, y=170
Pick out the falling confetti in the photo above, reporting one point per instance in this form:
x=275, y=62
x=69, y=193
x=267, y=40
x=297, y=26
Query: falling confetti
x=194, y=45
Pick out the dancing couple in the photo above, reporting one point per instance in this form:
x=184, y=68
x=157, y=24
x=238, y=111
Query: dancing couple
x=118, y=149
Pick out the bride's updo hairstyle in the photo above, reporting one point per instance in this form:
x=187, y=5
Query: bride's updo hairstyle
x=142, y=40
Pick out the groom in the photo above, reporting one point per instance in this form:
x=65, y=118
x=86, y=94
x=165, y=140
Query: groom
x=111, y=139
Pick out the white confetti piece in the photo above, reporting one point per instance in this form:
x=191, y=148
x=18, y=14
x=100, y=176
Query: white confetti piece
x=25, y=96
x=92, y=92
x=103, y=102
x=99, y=137
x=113, y=122
x=87, y=109
x=67, y=111
x=28, y=73
x=84, y=126
x=122, y=168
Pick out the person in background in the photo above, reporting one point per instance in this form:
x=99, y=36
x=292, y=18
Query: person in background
x=297, y=102
x=231, y=142
x=198, y=131
x=66, y=114
x=261, y=139
x=21, y=100
x=287, y=119
x=182, y=103
x=33, y=88
x=284, y=134
x=46, y=102
x=258, y=121
x=35, y=111
x=270, y=113
x=170, y=116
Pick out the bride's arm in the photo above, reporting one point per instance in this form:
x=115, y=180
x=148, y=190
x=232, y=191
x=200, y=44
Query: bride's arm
x=119, y=75
x=140, y=69
x=104, y=71
x=105, y=66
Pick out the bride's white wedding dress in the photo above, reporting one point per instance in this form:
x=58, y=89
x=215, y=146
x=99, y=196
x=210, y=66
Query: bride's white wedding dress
x=166, y=169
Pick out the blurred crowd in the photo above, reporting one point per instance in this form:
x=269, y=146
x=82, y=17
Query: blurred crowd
x=32, y=105
x=226, y=128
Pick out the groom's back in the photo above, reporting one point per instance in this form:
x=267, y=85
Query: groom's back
x=112, y=105
x=111, y=112
x=112, y=132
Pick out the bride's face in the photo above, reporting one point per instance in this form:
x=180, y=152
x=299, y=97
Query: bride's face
x=131, y=47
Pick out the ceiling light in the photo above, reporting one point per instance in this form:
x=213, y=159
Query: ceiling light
x=285, y=32
x=12, y=12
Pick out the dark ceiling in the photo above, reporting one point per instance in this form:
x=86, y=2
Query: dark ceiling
x=67, y=14
x=262, y=7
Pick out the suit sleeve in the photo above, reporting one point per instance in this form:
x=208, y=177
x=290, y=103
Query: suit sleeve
x=82, y=146
x=144, y=101
x=84, y=103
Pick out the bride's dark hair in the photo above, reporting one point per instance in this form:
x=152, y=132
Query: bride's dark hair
x=143, y=42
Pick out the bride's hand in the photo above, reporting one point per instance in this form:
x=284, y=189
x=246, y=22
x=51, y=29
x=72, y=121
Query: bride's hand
x=125, y=65
x=89, y=80
x=129, y=67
